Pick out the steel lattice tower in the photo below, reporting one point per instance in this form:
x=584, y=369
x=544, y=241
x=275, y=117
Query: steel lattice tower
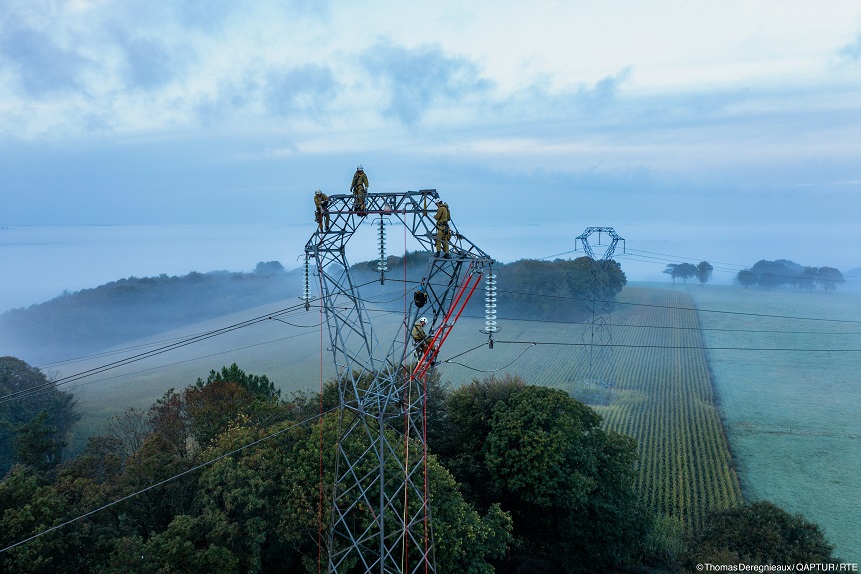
x=380, y=518
x=598, y=336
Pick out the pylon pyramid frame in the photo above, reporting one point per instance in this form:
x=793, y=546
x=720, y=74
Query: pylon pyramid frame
x=598, y=336
x=380, y=519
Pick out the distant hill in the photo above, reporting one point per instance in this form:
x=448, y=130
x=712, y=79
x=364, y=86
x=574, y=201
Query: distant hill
x=92, y=319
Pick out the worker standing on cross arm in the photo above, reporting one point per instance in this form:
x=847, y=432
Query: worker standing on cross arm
x=359, y=187
x=321, y=201
x=443, y=233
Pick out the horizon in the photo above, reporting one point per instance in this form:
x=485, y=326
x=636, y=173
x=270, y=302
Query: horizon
x=58, y=259
x=681, y=126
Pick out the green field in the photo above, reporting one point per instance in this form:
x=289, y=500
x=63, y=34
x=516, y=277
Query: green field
x=789, y=416
x=792, y=416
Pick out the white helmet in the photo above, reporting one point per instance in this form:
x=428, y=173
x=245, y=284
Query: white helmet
x=423, y=320
x=318, y=192
x=360, y=168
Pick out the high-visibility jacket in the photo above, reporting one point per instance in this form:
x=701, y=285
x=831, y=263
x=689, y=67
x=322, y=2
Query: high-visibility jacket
x=321, y=201
x=442, y=216
x=360, y=182
x=419, y=334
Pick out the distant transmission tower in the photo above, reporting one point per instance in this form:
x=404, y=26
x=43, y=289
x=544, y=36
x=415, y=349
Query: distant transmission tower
x=380, y=518
x=598, y=337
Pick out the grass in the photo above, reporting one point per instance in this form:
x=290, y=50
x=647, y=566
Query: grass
x=792, y=416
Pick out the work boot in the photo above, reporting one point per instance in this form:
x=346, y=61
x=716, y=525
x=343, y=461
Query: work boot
x=446, y=256
x=436, y=254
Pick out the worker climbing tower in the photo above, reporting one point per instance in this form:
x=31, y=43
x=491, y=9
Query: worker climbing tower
x=380, y=515
x=597, y=336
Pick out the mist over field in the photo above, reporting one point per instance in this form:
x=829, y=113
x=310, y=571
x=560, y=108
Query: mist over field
x=48, y=261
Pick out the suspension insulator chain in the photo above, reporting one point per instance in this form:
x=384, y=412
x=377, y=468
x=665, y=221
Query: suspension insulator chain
x=381, y=265
x=490, y=307
x=306, y=291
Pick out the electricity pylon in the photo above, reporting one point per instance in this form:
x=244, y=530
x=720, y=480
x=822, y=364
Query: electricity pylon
x=380, y=517
x=598, y=336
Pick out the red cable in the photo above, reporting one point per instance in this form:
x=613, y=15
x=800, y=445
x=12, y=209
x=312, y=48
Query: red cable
x=320, y=509
x=462, y=307
x=430, y=348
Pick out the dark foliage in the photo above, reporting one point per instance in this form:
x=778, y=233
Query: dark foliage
x=543, y=457
x=256, y=510
x=785, y=273
x=759, y=533
x=32, y=428
x=527, y=289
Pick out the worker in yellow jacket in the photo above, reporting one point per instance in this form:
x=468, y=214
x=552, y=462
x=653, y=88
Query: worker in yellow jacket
x=443, y=232
x=421, y=339
x=359, y=187
x=321, y=201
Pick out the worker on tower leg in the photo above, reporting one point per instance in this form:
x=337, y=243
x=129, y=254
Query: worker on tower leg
x=359, y=187
x=321, y=201
x=443, y=232
x=421, y=339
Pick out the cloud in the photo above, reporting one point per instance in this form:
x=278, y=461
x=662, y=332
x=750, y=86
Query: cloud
x=151, y=64
x=421, y=76
x=206, y=15
x=852, y=51
x=303, y=89
x=604, y=90
x=41, y=65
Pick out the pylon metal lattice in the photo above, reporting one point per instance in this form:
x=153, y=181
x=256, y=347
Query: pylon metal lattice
x=380, y=520
x=598, y=336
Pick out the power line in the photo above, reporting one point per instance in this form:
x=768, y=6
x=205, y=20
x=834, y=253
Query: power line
x=120, y=350
x=685, y=347
x=145, y=355
x=166, y=480
x=181, y=342
x=49, y=388
x=671, y=307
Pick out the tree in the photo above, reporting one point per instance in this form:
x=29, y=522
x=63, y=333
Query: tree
x=25, y=414
x=259, y=386
x=128, y=429
x=746, y=277
x=682, y=271
x=829, y=278
x=38, y=445
x=807, y=279
x=562, y=286
x=670, y=270
x=759, y=533
x=196, y=415
x=543, y=457
x=704, y=272
x=269, y=268
x=685, y=271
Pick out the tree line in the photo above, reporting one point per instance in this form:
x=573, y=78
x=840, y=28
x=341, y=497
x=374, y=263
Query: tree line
x=684, y=271
x=524, y=479
x=527, y=288
x=110, y=314
x=786, y=273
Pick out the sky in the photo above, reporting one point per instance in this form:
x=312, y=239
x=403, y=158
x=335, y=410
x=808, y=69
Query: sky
x=716, y=130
